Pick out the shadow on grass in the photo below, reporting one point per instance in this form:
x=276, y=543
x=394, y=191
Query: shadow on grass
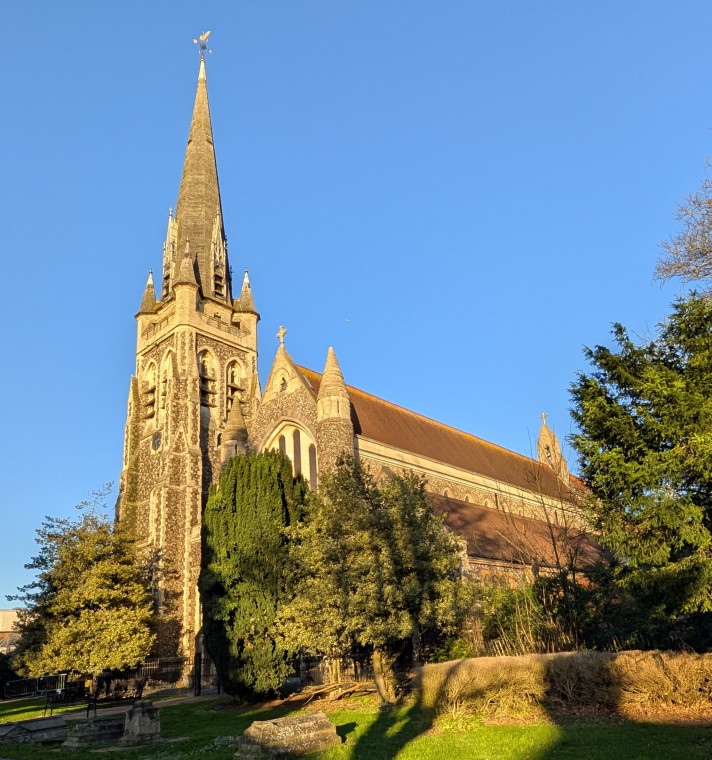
x=398, y=725
x=592, y=733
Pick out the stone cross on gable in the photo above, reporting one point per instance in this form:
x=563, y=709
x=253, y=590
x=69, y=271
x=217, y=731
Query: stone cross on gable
x=280, y=334
x=543, y=416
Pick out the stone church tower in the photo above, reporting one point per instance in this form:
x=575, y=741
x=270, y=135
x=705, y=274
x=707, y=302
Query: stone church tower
x=195, y=390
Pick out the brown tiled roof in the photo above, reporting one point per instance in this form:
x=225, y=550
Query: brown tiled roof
x=496, y=535
x=387, y=423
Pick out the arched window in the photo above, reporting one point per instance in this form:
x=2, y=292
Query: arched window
x=296, y=442
x=232, y=384
x=150, y=394
x=467, y=498
x=297, y=459
x=206, y=370
x=312, y=467
x=446, y=493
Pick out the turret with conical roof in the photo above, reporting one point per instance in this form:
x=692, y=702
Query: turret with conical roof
x=334, y=428
x=333, y=399
x=247, y=302
x=549, y=450
x=149, y=296
x=234, y=440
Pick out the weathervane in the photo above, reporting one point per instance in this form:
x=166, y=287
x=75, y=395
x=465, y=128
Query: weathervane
x=202, y=42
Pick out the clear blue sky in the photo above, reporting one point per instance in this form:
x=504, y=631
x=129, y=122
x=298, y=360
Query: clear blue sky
x=479, y=187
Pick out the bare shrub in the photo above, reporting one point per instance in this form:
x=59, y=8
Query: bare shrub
x=580, y=679
x=496, y=686
x=487, y=685
x=664, y=678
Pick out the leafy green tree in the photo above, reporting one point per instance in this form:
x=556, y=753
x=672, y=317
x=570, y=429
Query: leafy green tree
x=645, y=446
x=90, y=607
x=242, y=580
x=372, y=567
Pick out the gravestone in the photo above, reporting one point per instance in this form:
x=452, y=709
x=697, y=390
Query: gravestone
x=86, y=732
x=293, y=735
x=143, y=725
x=39, y=730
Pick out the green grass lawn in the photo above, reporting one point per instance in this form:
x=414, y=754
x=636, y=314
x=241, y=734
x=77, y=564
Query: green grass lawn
x=407, y=733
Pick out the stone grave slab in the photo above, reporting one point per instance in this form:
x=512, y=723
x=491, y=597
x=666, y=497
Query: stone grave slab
x=86, y=732
x=38, y=730
x=293, y=735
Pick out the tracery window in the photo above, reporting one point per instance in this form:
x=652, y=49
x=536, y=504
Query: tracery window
x=296, y=442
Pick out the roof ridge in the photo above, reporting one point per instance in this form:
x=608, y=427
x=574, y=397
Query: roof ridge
x=435, y=422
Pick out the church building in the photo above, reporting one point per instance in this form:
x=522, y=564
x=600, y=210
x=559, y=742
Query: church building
x=195, y=400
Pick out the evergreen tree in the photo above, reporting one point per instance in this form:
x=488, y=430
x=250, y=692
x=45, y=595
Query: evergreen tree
x=242, y=580
x=645, y=445
x=90, y=608
x=372, y=567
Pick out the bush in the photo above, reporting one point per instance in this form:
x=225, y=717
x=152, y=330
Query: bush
x=6, y=673
x=496, y=686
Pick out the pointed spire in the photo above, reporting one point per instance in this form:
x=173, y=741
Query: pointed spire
x=549, y=450
x=149, y=296
x=333, y=397
x=235, y=426
x=199, y=195
x=247, y=302
x=186, y=272
x=235, y=435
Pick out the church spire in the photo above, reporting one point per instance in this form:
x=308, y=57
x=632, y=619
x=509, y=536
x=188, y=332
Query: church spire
x=199, y=211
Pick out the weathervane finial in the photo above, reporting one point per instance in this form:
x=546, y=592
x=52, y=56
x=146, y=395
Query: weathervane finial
x=202, y=43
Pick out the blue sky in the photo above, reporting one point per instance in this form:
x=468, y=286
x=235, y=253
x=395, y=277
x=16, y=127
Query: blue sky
x=479, y=187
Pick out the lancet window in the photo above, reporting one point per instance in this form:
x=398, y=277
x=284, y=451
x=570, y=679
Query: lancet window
x=312, y=467
x=297, y=447
x=206, y=370
x=296, y=442
x=233, y=384
x=150, y=392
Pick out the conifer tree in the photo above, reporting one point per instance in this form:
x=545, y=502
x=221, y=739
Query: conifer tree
x=372, y=568
x=242, y=580
x=645, y=445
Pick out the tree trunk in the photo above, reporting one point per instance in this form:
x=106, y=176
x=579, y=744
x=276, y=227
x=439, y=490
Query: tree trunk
x=417, y=644
x=381, y=673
